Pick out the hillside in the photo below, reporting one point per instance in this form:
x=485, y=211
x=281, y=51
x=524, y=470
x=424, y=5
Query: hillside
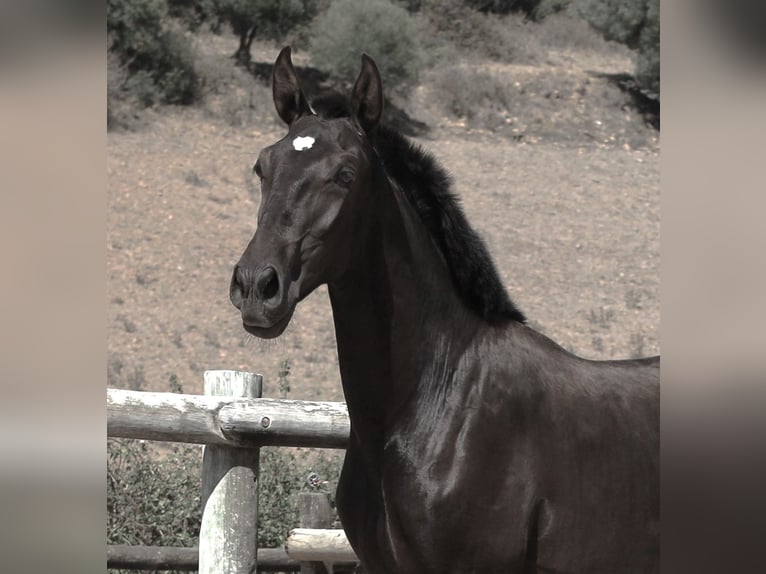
x=564, y=187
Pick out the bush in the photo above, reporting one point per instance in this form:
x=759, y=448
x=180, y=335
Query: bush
x=506, y=39
x=193, y=13
x=566, y=32
x=412, y=6
x=635, y=23
x=502, y=6
x=382, y=30
x=534, y=9
x=118, y=111
x=472, y=94
x=153, y=492
x=157, y=56
x=545, y=8
x=618, y=20
x=233, y=94
x=648, y=62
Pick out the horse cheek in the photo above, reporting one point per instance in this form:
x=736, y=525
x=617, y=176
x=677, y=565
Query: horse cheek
x=327, y=215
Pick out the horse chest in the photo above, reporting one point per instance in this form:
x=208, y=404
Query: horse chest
x=442, y=512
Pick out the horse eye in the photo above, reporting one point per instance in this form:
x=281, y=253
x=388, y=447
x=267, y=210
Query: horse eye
x=257, y=169
x=345, y=176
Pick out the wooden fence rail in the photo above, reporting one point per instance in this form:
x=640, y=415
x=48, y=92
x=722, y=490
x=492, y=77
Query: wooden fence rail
x=319, y=545
x=303, y=546
x=226, y=421
x=233, y=422
x=187, y=559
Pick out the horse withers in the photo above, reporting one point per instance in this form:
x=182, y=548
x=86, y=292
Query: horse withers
x=477, y=444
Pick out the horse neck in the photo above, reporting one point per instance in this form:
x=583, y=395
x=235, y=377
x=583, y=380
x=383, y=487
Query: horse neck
x=398, y=319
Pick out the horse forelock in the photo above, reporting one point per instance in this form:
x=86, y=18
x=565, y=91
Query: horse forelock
x=428, y=188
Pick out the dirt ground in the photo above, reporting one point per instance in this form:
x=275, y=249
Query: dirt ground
x=573, y=224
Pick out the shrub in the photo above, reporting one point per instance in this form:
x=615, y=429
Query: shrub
x=283, y=477
x=153, y=497
x=535, y=9
x=648, y=62
x=177, y=75
x=507, y=39
x=381, y=29
x=618, y=20
x=193, y=13
x=545, y=8
x=472, y=94
x=412, y=6
x=499, y=6
x=118, y=111
x=157, y=56
x=635, y=23
x=153, y=492
x=233, y=94
x=564, y=31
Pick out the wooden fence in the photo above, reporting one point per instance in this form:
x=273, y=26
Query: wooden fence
x=233, y=422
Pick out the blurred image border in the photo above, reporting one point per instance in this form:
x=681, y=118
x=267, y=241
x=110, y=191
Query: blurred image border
x=713, y=291
x=52, y=418
x=53, y=351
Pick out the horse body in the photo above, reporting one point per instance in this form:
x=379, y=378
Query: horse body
x=501, y=479
x=477, y=444
x=491, y=448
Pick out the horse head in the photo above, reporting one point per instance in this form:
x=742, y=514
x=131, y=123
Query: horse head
x=313, y=183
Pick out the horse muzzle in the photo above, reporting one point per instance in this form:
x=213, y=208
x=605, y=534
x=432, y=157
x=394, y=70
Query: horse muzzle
x=261, y=296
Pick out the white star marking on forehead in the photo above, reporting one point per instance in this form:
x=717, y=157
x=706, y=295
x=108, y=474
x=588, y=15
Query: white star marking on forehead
x=301, y=143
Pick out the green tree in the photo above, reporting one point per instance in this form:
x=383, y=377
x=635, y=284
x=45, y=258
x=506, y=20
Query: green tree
x=269, y=19
x=377, y=27
x=193, y=13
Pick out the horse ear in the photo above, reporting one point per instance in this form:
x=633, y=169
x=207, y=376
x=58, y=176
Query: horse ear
x=367, y=97
x=289, y=100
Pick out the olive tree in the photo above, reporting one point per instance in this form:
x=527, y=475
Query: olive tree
x=268, y=19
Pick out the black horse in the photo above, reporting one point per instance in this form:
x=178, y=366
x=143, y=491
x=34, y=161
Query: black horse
x=477, y=444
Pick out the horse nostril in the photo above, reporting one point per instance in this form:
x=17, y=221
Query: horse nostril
x=267, y=285
x=238, y=288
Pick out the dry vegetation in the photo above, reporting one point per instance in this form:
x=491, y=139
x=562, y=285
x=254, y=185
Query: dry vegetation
x=555, y=170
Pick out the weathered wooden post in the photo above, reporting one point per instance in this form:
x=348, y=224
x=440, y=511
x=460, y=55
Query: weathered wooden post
x=228, y=534
x=315, y=512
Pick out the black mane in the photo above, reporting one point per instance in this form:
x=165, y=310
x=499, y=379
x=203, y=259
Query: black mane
x=428, y=187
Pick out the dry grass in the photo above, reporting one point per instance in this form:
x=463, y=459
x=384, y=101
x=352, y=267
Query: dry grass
x=539, y=104
x=531, y=81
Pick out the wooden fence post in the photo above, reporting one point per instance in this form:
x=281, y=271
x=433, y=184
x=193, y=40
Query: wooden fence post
x=228, y=534
x=315, y=512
